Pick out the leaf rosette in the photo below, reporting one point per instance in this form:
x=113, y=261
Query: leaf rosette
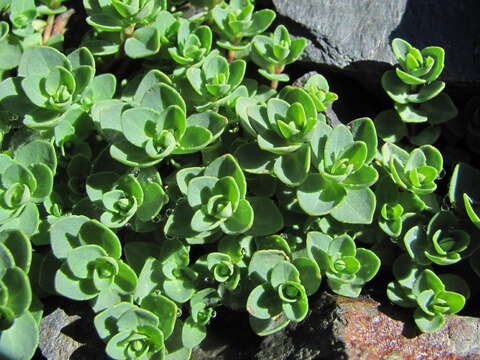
x=153, y=124
x=27, y=178
x=442, y=243
x=435, y=301
x=281, y=295
x=217, y=81
x=272, y=53
x=347, y=268
x=215, y=199
x=341, y=187
x=193, y=44
x=318, y=89
x=237, y=20
x=137, y=333
x=116, y=15
x=283, y=126
x=119, y=197
x=415, y=171
x=91, y=268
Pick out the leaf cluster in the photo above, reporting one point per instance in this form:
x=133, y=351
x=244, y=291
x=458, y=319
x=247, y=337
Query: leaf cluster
x=145, y=172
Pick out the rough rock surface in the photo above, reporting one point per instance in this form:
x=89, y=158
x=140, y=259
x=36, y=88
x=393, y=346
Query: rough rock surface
x=357, y=329
x=356, y=35
x=67, y=332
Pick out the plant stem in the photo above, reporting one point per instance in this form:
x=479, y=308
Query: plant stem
x=60, y=25
x=47, y=32
x=278, y=70
x=231, y=56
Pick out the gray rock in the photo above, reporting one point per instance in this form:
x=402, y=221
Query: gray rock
x=53, y=343
x=355, y=35
x=67, y=332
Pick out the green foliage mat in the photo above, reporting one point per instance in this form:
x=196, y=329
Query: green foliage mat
x=142, y=172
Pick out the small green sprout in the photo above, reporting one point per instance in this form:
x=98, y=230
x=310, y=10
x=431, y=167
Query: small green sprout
x=281, y=296
x=417, y=94
x=317, y=87
x=238, y=20
x=347, y=268
x=442, y=243
x=415, y=171
x=216, y=82
x=273, y=53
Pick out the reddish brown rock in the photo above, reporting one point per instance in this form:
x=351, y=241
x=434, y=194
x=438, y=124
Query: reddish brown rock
x=370, y=331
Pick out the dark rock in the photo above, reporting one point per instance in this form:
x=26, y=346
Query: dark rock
x=354, y=100
x=355, y=35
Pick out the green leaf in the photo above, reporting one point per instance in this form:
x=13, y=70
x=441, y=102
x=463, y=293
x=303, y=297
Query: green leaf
x=64, y=235
x=145, y=42
x=438, y=55
x=357, y=207
x=19, y=291
x=81, y=57
x=37, y=151
x=154, y=199
x=165, y=309
x=19, y=246
x=67, y=285
x=27, y=220
x=390, y=126
x=428, y=323
x=363, y=129
x=262, y=263
x=267, y=217
x=194, y=139
x=264, y=327
x=24, y=328
x=310, y=275
x=283, y=272
x=252, y=159
x=94, y=232
x=263, y=303
x=370, y=264
x=192, y=333
x=160, y=96
x=296, y=311
x=44, y=177
x=319, y=196
x=339, y=139
x=428, y=280
x=126, y=279
x=102, y=320
x=79, y=260
x=227, y=165
x=10, y=52
x=241, y=220
x=395, y=88
x=464, y=181
x=39, y=60
x=149, y=279
x=179, y=290
x=292, y=168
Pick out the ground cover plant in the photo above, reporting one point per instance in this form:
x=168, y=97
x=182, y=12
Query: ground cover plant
x=163, y=170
